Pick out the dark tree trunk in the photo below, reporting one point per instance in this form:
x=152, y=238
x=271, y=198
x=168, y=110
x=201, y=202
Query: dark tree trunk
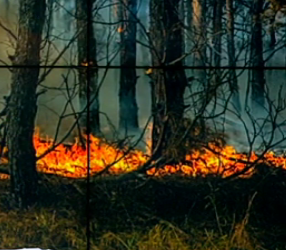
x=128, y=110
x=257, y=78
x=272, y=32
x=217, y=34
x=217, y=30
x=86, y=45
x=189, y=42
x=182, y=13
x=168, y=84
x=189, y=13
x=23, y=103
x=233, y=84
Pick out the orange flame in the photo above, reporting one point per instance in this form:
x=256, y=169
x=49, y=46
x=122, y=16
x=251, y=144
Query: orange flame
x=72, y=161
x=120, y=29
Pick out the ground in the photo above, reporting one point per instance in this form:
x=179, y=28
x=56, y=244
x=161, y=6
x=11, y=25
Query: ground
x=165, y=213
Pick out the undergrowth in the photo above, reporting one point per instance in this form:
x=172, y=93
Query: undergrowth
x=45, y=229
x=159, y=214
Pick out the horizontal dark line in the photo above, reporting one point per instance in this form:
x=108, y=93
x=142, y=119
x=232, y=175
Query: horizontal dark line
x=142, y=67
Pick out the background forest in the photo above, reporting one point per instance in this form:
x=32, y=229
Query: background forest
x=142, y=124
x=216, y=31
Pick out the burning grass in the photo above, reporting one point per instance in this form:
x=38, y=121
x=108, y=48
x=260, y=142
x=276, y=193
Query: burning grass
x=177, y=211
x=70, y=160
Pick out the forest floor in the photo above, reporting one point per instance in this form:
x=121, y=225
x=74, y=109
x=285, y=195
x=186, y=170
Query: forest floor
x=167, y=213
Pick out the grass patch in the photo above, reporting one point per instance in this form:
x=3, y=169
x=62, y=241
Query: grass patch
x=40, y=227
x=170, y=213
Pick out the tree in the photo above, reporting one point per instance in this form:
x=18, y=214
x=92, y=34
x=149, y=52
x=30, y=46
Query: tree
x=257, y=78
x=169, y=81
x=23, y=103
x=128, y=110
x=217, y=36
x=86, y=46
x=217, y=30
x=189, y=18
x=200, y=58
x=272, y=32
x=199, y=34
x=233, y=84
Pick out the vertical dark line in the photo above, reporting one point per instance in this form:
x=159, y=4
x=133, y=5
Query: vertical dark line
x=88, y=129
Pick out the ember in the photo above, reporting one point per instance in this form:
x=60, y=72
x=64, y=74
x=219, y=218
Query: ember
x=72, y=161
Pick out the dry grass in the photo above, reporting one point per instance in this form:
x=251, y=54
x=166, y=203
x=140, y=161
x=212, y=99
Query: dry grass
x=42, y=228
x=46, y=229
x=160, y=215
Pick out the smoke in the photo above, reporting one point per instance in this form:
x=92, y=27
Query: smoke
x=257, y=128
x=52, y=103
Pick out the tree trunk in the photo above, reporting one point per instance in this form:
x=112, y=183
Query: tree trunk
x=199, y=34
x=49, y=28
x=189, y=42
x=257, y=79
x=23, y=103
x=182, y=17
x=168, y=84
x=202, y=86
x=217, y=35
x=217, y=30
x=272, y=32
x=86, y=45
x=233, y=84
x=128, y=110
x=200, y=44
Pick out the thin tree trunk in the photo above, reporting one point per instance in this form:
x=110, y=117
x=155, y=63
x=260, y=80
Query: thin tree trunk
x=168, y=84
x=200, y=44
x=86, y=45
x=217, y=35
x=128, y=110
x=189, y=42
x=50, y=17
x=199, y=34
x=182, y=15
x=233, y=83
x=23, y=103
x=217, y=30
x=257, y=78
x=272, y=32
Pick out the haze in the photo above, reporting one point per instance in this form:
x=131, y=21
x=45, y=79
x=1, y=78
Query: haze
x=62, y=30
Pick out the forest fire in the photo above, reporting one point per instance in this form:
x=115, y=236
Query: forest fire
x=71, y=161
